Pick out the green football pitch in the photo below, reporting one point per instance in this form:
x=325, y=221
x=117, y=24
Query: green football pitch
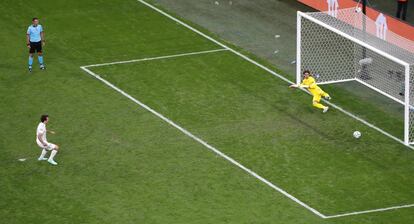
x=158, y=124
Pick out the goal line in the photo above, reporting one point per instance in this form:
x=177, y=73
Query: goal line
x=290, y=82
x=87, y=69
x=271, y=72
x=215, y=150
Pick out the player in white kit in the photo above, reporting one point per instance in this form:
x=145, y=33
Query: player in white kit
x=43, y=143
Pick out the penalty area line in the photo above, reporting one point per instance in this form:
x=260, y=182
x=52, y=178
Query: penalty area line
x=369, y=211
x=202, y=142
x=270, y=71
x=290, y=82
x=231, y=160
x=234, y=162
x=156, y=58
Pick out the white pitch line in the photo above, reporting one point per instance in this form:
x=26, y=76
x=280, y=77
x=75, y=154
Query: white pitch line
x=156, y=58
x=214, y=149
x=272, y=72
x=336, y=81
x=213, y=40
x=368, y=124
x=199, y=140
x=277, y=75
x=369, y=211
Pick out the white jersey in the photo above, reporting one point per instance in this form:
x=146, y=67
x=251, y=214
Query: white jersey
x=41, y=129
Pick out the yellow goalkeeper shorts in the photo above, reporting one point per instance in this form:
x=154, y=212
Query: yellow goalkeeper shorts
x=318, y=94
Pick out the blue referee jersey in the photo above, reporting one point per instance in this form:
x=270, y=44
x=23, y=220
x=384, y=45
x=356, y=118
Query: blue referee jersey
x=34, y=33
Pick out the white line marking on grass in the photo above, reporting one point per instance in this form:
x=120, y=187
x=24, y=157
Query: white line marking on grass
x=214, y=40
x=271, y=72
x=290, y=82
x=368, y=124
x=368, y=211
x=218, y=152
x=336, y=81
x=156, y=58
x=316, y=212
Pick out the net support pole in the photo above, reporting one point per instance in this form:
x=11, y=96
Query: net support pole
x=364, y=25
x=364, y=7
x=365, y=74
x=407, y=105
x=298, y=46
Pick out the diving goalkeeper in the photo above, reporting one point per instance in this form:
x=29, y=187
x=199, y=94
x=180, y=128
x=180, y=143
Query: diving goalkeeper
x=317, y=93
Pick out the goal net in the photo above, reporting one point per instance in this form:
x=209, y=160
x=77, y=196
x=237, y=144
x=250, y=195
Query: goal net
x=353, y=47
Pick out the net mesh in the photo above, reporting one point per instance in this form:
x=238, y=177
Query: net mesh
x=352, y=46
x=321, y=53
x=350, y=22
x=411, y=114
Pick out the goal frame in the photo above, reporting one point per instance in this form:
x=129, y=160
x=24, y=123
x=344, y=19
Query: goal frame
x=405, y=103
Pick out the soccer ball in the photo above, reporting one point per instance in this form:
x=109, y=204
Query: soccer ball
x=358, y=10
x=357, y=134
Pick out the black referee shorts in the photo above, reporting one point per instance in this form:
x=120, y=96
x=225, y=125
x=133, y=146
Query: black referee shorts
x=35, y=47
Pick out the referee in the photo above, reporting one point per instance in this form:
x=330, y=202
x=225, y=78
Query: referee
x=35, y=41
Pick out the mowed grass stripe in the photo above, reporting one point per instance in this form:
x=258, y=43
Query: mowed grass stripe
x=118, y=163
x=257, y=120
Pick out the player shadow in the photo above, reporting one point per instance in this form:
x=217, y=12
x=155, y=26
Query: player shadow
x=281, y=107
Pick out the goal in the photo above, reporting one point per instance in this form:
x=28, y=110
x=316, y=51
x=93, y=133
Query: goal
x=350, y=46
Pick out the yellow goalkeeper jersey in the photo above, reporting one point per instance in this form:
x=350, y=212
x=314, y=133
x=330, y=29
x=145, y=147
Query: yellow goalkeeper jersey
x=310, y=84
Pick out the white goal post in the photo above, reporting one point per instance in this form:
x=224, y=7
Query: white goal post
x=352, y=47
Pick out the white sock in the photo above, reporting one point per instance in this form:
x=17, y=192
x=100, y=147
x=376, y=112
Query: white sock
x=52, y=155
x=44, y=151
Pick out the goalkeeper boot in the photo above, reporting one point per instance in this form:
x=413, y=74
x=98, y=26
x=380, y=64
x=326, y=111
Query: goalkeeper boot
x=325, y=109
